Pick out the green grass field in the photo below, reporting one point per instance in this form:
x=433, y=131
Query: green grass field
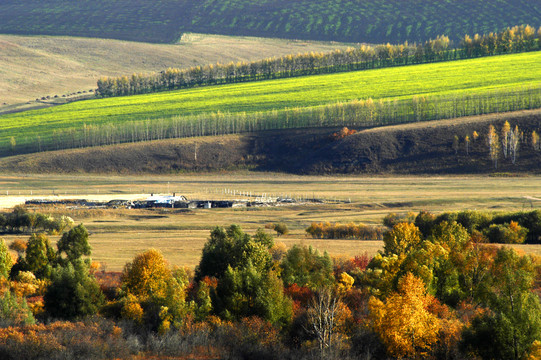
x=475, y=76
x=376, y=21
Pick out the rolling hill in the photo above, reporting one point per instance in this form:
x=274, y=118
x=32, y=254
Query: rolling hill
x=408, y=93
x=418, y=148
x=376, y=21
x=36, y=66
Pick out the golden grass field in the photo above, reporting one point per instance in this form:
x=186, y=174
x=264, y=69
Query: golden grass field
x=36, y=66
x=117, y=235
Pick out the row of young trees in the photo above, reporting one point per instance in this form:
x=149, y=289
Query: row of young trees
x=516, y=39
x=361, y=58
x=352, y=113
x=435, y=291
x=327, y=230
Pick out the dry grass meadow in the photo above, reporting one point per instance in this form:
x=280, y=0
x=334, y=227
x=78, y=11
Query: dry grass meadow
x=117, y=235
x=36, y=66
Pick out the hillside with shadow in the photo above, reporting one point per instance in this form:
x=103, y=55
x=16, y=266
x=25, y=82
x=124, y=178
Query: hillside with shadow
x=376, y=21
x=418, y=148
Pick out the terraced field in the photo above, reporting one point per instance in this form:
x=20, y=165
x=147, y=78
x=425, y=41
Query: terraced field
x=459, y=77
x=375, y=21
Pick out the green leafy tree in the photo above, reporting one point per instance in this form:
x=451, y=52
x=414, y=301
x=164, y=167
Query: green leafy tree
x=513, y=324
x=247, y=291
x=233, y=248
x=451, y=238
x=40, y=256
x=437, y=260
x=73, y=292
x=304, y=266
x=425, y=221
x=74, y=244
x=511, y=233
x=263, y=238
x=6, y=262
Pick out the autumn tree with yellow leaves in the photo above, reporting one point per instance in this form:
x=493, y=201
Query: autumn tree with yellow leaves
x=493, y=145
x=153, y=292
x=403, y=322
x=147, y=275
x=535, y=141
x=401, y=239
x=506, y=132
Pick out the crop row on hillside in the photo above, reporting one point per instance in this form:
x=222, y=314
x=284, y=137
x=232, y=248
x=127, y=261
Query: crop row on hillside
x=392, y=95
x=376, y=21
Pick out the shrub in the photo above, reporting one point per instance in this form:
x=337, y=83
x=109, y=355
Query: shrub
x=281, y=228
x=511, y=233
x=343, y=133
x=18, y=246
x=94, y=339
x=14, y=311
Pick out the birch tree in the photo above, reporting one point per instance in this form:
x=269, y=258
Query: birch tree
x=514, y=139
x=493, y=145
x=535, y=140
x=506, y=132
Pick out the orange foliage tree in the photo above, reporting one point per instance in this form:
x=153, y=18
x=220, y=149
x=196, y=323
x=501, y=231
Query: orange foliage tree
x=403, y=322
x=147, y=275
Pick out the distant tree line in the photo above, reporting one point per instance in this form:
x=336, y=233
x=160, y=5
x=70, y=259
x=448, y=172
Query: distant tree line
x=486, y=226
x=511, y=40
x=20, y=220
x=327, y=230
x=361, y=58
x=516, y=39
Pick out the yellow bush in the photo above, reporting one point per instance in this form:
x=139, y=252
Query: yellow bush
x=132, y=310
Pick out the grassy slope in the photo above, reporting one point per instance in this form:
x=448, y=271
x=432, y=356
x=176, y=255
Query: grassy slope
x=36, y=66
x=340, y=20
x=475, y=75
x=415, y=148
